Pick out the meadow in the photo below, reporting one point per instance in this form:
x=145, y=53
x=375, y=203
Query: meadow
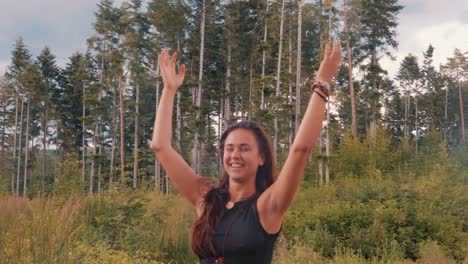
x=382, y=218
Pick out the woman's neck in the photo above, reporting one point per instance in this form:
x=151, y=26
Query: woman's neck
x=241, y=191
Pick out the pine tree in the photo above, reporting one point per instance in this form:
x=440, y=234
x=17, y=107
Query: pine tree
x=278, y=76
x=108, y=48
x=32, y=82
x=378, y=24
x=456, y=68
x=17, y=74
x=169, y=20
x=409, y=77
x=298, y=66
x=198, y=91
x=50, y=74
x=136, y=47
x=350, y=73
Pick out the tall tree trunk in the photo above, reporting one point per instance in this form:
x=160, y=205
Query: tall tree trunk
x=122, y=132
x=405, y=128
x=446, y=113
x=350, y=75
x=44, y=142
x=168, y=186
x=100, y=145
x=178, y=122
x=250, y=116
x=114, y=133
x=290, y=83
x=135, y=145
x=320, y=161
x=93, y=160
x=196, y=143
x=278, y=80
x=219, y=129
x=14, y=146
x=227, y=102
x=327, y=146
x=265, y=34
x=297, y=114
x=96, y=142
x=374, y=104
x=2, y=153
x=18, y=168
x=157, y=166
x=25, y=179
x=416, y=124
x=99, y=162
x=327, y=131
x=56, y=155
x=83, y=141
x=178, y=112
x=462, y=117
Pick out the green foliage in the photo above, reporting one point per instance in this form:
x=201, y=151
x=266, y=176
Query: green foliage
x=68, y=183
x=353, y=220
x=378, y=218
x=367, y=158
x=101, y=253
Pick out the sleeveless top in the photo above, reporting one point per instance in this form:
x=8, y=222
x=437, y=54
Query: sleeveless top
x=246, y=242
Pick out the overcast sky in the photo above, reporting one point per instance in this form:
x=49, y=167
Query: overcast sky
x=64, y=26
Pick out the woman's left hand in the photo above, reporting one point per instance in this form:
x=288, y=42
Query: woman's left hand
x=330, y=63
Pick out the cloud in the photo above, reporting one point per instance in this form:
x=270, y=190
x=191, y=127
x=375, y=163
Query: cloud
x=429, y=22
x=64, y=26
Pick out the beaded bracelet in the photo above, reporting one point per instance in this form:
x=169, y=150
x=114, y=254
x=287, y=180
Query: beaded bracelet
x=323, y=97
x=322, y=89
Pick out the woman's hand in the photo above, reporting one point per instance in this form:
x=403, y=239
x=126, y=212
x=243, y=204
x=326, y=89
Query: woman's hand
x=330, y=63
x=167, y=66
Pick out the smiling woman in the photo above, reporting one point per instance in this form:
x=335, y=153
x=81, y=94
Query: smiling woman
x=240, y=219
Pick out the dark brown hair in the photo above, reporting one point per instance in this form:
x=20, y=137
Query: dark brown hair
x=201, y=235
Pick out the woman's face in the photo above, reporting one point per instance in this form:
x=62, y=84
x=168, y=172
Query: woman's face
x=241, y=156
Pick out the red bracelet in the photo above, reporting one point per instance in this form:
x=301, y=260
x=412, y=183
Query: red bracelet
x=322, y=96
x=322, y=87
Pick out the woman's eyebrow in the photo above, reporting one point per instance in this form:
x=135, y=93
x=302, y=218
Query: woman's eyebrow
x=241, y=144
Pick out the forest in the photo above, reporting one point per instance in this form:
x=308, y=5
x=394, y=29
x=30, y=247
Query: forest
x=386, y=183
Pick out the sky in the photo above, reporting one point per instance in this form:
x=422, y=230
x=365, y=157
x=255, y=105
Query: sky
x=64, y=26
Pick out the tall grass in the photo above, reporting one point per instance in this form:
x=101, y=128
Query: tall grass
x=418, y=220
x=37, y=231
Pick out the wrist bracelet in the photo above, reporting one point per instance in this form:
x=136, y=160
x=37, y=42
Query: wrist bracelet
x=322, y=89
x=322, y=96
x=322, y=85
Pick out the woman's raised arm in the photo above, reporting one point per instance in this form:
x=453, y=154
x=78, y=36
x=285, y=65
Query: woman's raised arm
x=277, y=199
x=185, y=180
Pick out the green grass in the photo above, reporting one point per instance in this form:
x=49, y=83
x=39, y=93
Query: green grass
x=351, y=221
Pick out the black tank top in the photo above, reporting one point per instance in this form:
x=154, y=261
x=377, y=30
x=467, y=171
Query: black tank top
x=247, y=242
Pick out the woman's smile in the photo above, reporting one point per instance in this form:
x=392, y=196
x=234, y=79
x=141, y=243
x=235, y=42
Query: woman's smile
x=241, y=156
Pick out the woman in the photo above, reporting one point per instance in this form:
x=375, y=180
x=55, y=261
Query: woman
x=239, y=220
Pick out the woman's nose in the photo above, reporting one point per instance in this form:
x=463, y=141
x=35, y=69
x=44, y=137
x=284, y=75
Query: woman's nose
x=236, y=154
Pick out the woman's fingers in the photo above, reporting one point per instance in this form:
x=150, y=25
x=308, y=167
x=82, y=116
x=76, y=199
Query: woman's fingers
x=174, y=58
x=327, y=50
x=167, y=67
x=182, y=70
x=336, y=53
x=166, y=57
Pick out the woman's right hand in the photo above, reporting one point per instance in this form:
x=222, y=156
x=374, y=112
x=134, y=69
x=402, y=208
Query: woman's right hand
x=167, y=65
x=330, y=63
